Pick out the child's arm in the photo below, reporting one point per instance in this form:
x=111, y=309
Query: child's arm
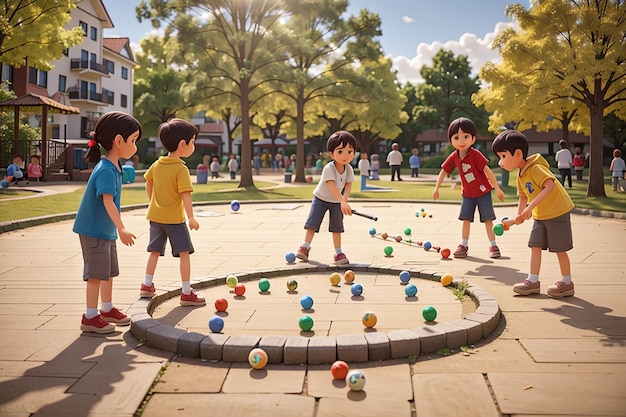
x=440, y=178
x=343, y=199
x=492, y=179
x=149, y=189
x=527, y=211
x=611, y=166
x=193, y=223
x=126, y=236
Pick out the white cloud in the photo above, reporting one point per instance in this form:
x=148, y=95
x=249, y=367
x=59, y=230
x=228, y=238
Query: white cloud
x=408, y=19
x=478, y=51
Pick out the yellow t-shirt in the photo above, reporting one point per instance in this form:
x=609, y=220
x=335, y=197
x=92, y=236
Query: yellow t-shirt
x=170, y=178
x=530, y=183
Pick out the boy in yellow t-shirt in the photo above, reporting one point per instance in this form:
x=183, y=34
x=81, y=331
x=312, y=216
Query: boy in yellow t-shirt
x=169, y=188
x=546, y=201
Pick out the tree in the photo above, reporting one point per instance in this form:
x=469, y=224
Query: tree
x=161, y=89
x=235, y=37
x=411, y=128
x=446, y=92
x=34, y=30
x=26, y=133
x=573, y=50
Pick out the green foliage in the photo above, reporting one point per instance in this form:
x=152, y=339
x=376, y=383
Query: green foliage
x=35, y=30
x=7, y=120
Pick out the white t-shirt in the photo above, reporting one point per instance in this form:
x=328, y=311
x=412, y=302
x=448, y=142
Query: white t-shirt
x=364, y=166
x=394, y=158
x=330, y=173
x=563, y=159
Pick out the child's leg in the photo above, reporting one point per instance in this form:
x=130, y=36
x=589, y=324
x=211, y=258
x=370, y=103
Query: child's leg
x=153, y=259
x=92, y=295
x=564, y=263
x=337, y=241
x=308, y=236
x=185, y=267
x=535, y=260
x=490, y=234
x=465, y=232
x=106, y=291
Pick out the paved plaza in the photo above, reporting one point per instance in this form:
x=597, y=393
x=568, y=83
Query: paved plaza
x=546, y=357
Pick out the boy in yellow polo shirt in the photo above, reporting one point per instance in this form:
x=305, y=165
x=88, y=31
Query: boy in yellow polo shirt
x=546, y=201
x=169, y=188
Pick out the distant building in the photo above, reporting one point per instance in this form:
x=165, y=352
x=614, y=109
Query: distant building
x=95, y=76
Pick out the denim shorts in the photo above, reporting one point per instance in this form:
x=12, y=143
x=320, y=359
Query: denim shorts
x=485, y=208
x=178, y=235
x=554, y=234
x=100, y=258
x=316, y=215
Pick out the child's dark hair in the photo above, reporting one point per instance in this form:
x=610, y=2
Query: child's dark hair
x=36, y=156
x=175, y=130
x=17, y=155
x=108, y=126
x=464, y=124
x=510, y=140
x=340, y=138
x=617, y=153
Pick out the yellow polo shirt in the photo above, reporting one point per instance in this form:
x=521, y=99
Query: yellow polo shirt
x=170, y=178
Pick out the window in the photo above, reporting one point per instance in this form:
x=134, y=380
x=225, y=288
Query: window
x=62, y=82
x=124, y=73
x=38, y=77
x=94, y=33
x=94, y=58
x=84, y=89
x=110, y=66
x=83, y=26
x=123, y=100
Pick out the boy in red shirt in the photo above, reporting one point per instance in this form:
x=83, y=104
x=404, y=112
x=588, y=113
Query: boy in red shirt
x=477, y=180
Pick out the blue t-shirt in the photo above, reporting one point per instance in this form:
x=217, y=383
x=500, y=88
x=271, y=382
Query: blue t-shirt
x=14, y=171
x=92, y=218
x=414, y=161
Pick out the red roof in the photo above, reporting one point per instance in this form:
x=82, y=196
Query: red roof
x=211, y=128
x=117, y=45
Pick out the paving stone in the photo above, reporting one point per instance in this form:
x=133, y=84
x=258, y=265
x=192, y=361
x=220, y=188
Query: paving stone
x=474, y=329
x=189, y=344
x=140, y=323
x=164, y=337
x=359, y=405
x=192, y=375
x=212, y=346
x=403, y=343
x=456, y=336
x=322, y=349
x=274, y=346
x=237, y=348
x=431, y=338
x=352, y=348
x=471, y=396
x=232, y=405
x=273, y=379
x=378, y=346
x=296, y=350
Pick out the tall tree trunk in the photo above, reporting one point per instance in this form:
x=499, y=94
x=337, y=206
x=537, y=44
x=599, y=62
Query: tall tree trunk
x=246, y=157
x=595, y=188
x=300, y=138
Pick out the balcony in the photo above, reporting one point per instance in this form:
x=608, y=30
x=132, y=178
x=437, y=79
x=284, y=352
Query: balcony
x=76, y=94
x=89, y=68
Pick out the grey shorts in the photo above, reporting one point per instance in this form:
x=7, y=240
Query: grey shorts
x=554, y=235
x=178, y=235
x=485, y=208
x=100, y=258
x=316, y=215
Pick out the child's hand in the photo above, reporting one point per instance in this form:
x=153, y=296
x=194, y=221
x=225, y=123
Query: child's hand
x=193, y=224
x=436, y=195
x=127, y=237
x=500, y=194
x=346, y=209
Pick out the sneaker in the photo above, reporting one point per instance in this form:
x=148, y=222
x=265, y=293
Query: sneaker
x=191, y=300
x=341, y=259
x=115, y=316
x=461, y=251
x=147, y=292
x=527, y=287
x=96, y=325
x=303, y=253
x=494, y=252
x=561, y=289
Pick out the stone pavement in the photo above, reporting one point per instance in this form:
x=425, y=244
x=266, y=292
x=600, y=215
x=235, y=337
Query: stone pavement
x=546, y=357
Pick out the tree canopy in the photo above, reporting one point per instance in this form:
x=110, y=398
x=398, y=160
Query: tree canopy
x=34, y=30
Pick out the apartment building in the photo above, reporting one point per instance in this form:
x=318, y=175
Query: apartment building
x=95, y=76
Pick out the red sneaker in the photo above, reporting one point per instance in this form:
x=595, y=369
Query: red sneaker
x=191, y=300
x=303, y=253
x=341, y=259
x=147, y=292
x=115, y=316
x=96, y=325
x=461, y=251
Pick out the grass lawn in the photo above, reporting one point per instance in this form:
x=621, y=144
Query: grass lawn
x=228, y=191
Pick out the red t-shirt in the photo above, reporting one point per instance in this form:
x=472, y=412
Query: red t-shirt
x=471, y=171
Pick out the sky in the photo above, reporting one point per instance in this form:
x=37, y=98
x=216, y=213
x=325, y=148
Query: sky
x=413, y=30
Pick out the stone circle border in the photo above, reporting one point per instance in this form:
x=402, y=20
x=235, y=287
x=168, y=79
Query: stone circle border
x=298, y=350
